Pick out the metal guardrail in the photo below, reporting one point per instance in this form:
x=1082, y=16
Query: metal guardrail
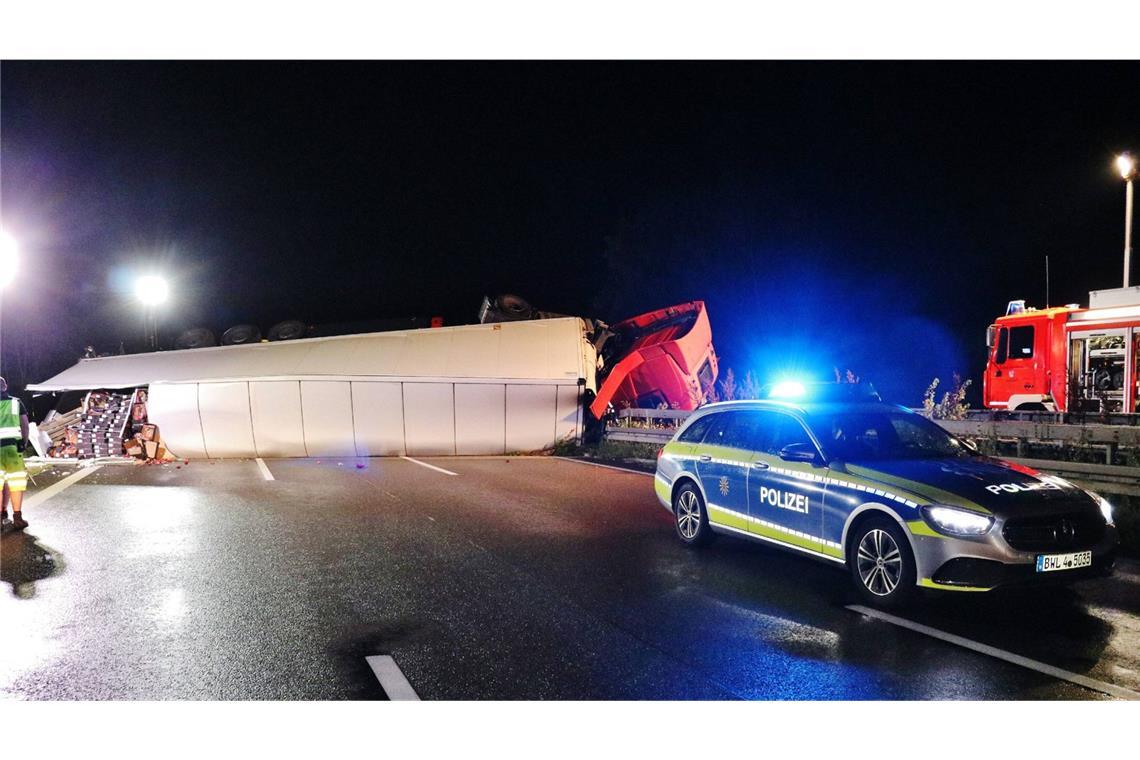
x=1066, y=418
x=653, y=414
x=1108, y=478
x=657, y=425
x=1022, y=432
x=640, y=435
x=1090, y=434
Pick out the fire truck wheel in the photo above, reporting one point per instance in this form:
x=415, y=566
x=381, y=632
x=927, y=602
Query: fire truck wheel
x=882, y=564
x=691, y=519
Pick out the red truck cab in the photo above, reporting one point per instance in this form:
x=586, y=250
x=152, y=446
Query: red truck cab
x=662, y=359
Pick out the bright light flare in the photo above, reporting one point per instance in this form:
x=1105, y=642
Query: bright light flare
x=1126, y=165
x=958, y=522
x=151, y=290
x=787, y=389
x=9, y=258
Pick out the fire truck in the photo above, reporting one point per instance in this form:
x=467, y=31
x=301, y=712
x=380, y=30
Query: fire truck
x=1067, y=358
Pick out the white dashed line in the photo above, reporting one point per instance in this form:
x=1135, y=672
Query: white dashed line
x=38, y=498
x=391, y=679
x=261, y=465
x=1001, y=654
x=430, y=466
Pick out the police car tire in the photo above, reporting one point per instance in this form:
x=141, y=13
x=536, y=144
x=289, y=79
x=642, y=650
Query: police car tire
x=686, y=501
x=904, y=590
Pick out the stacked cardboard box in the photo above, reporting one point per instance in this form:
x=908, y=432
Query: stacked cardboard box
x=103, y=424
x=145, y=442
x=55, y=427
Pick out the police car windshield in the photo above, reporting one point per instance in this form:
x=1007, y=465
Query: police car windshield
x=856, y=436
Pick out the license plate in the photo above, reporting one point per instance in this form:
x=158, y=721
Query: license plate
x=1047, y=563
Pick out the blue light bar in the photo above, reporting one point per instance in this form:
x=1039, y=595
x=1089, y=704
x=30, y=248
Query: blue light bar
x=787, y=389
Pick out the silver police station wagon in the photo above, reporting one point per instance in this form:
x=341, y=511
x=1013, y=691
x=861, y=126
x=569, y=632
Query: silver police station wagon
x=833, y=472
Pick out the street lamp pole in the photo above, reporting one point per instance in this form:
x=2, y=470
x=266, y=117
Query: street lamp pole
x=1126, y=164
x=1127, y=230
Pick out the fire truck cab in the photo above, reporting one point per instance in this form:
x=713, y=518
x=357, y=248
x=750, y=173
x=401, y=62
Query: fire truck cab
x=1067, y=358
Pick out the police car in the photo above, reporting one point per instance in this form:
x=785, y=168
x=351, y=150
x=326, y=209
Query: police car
x=835, y=473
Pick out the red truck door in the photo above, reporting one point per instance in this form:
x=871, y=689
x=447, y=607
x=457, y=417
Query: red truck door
x=1015, y=366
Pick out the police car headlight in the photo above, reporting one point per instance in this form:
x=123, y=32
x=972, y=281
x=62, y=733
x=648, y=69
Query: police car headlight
x=957, y=522
x=1105, y=506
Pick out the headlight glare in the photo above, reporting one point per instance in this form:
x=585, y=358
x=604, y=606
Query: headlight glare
x=957, y=522
x=1105, y=508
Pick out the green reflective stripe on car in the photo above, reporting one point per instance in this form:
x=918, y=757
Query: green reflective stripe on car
x=832, y=551
x=664, y=490
x=920, y=528
x=927, y=583
x=779, y=535
x=727, y=517
x=928, y=492
x=731, y=519
x=870, y=487
x=726, y=455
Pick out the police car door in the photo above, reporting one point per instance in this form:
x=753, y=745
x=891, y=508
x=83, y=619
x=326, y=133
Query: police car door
x=786, y=497
x=722, y=466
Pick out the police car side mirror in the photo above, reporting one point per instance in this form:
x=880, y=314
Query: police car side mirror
x=799, y=452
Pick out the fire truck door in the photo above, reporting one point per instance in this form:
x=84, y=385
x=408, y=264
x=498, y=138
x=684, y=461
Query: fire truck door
x=1015, y=366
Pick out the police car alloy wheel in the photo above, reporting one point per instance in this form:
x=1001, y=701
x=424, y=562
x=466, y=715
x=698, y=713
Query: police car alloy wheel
x=882, y=564
x=690, y=518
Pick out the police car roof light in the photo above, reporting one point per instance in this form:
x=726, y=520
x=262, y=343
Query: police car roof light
x=787, y=389
x=795, y=391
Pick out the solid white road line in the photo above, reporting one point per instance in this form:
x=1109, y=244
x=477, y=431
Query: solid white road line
x=261, y=465
x=1001, y=654
x=38, y=498
x=607, y=466
x=391, y=679
x=430, y=466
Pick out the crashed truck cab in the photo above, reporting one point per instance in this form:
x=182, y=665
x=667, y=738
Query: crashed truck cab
x=496, y=388
x=660, y=360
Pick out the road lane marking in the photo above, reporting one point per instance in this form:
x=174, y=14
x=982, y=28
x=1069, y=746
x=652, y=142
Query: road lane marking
x=607, y=466
x=38, y=498
x=391, y=679
x=1001, y=654
x=430, y=466
x=261, y=465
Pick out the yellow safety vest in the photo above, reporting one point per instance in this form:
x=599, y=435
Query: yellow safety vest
x=10, y=419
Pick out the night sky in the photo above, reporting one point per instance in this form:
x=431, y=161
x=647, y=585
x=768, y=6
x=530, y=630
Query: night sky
x=871, y=216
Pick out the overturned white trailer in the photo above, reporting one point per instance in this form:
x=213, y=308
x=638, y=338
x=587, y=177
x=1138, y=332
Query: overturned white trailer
x=471, y=389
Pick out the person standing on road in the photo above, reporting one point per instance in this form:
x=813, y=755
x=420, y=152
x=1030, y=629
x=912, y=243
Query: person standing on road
x=13, y=439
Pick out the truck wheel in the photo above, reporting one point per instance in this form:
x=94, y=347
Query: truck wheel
x=882, y=564
x=690, y=517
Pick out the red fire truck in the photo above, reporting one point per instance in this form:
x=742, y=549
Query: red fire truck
x=1067, y=358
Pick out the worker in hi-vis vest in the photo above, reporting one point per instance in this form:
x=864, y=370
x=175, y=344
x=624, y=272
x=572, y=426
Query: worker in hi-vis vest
x=13, y=439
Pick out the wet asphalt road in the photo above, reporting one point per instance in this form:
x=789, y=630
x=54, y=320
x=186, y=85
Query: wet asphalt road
x=516, y=578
